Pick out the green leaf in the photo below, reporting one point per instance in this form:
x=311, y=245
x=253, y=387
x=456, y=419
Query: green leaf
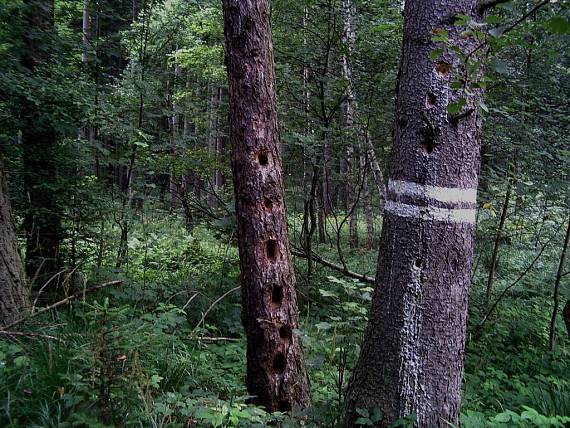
x=499, y=66
x=503, y=417
x=497, y=31
x=436, y=54
x=558, y=25
x=461, y=20
x=324, y=326
x=455, y=107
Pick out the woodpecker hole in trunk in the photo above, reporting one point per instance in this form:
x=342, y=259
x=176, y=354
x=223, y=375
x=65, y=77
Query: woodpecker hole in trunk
x=272, y=250
x=284, y=406
x=428, y=147
x=431, y=99
x=267, y=204
x=276, y=295
x=279, y=362
x=286, y=332
x=442, y=68
x=262, y=158
x=418, y=263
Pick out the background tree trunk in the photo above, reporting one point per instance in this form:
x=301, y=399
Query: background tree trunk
x=412, y=357
x=367, y=203
x=13, y=293
x=556, y=293
x=348, y=108
x=497, y=243
x=275, y=368
x=42, y=220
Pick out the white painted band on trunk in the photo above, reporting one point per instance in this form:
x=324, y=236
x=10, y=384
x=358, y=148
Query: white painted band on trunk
x=441, y=194
x=431, y=213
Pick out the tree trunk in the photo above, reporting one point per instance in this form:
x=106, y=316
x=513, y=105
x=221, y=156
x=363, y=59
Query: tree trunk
x=42, y=220
x=276, y=373
x=174, y=182
x=498, y=236
x=412, y=357
x=566, y=316
x=367, y=203
x=556, y=294
x=376, y=172
x=85, y=34
x=13, y=293
x=348, y=108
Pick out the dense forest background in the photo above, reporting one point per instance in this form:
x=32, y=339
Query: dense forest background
x=114, y=149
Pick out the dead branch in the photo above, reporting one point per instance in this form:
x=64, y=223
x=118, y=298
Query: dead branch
x=342, y=269
x=65, y=301
x=25, y=334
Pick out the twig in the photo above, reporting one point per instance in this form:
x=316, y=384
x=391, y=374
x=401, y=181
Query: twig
x=218, y=339
x=485, y=5
x=61, y=303
x=457, y=117
x=526, y=15
x=214, y=303
x=49, y=282
x=20, y=333
x=344, y=270
x=521, y=276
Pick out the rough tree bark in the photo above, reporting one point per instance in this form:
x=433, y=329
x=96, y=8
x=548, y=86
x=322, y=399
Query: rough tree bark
x=13, y=293
x=42, y=220
x=276, y=374
x=412, y=357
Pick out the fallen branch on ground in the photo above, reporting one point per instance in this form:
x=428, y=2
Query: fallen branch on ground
x=345, y=271
x=20, y=333
x=65, y=301
x=214, y=303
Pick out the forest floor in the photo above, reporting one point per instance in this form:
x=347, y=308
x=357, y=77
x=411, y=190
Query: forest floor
x=161, y=349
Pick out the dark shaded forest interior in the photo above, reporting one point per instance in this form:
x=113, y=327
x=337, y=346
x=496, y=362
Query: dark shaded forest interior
x=287, y=213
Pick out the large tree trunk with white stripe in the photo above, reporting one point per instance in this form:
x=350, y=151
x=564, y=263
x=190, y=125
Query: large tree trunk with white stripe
x=412, y=357
x=276, y=374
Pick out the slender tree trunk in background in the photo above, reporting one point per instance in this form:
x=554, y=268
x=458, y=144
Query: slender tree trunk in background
x=498, y=236
x=566, y=316
x=276, y=373
x=85, y=35
x=348, y=108
x=215, y=141
x=412, y=357
x=352, y=197
x=367, y=202
x=188, y=214
x=13, y=292
x=42, y=220
x=556, y=294
x=318, y=207
x=173, y=183
x=376, y=172
x=221, y=140
x=326, y=183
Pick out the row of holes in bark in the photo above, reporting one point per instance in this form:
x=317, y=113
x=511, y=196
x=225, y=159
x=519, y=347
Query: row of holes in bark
x=272, y=250
x=280, y=361
x=262, y=158
x=271, y=246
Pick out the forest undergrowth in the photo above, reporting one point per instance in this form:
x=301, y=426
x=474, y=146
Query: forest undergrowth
x=166, y=346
